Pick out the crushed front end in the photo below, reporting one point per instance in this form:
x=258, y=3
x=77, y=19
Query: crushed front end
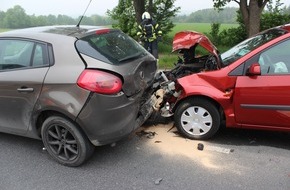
x=190, y=46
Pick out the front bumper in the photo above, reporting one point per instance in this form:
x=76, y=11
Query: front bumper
x=107, y=119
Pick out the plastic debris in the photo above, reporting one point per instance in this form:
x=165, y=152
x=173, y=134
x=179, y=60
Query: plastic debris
x=43, y=149
x=220, y=149
x=158, y=181
x=148, y=134
x=200, y=146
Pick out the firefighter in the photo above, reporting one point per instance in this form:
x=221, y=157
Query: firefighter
x=149, y=32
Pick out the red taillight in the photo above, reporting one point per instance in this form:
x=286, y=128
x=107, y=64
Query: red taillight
x=103, y=31
x=100, y=82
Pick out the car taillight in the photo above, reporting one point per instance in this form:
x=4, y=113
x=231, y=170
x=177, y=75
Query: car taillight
x=100, y=82
x=103, y=31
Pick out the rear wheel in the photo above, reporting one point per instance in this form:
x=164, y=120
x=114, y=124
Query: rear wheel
x=65, y=142
x=197, y=119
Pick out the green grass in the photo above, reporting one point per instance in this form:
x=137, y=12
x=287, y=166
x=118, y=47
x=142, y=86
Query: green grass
x=198, y=27
x=3, y=29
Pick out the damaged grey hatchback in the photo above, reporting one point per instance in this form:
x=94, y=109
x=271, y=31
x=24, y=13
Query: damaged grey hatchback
x=73, y=87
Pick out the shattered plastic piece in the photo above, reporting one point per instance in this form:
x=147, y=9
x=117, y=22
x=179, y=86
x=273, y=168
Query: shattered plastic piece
x=165, y=111
x=149, y=135
x=158, y=181
x=200, y=146
x=252, y=142
x=43, y=149
x=219, y=149
x=159, y=94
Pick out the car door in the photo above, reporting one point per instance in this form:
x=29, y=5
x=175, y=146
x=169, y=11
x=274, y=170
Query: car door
x=23, y=65
x=264, y=101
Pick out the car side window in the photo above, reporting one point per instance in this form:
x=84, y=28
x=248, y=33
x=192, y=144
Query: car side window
x=276, y=60
x=21, y=54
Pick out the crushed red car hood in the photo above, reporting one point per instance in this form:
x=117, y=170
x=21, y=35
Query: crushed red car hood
x=186, y=39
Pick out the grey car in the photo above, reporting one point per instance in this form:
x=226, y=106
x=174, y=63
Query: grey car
x=73, y=87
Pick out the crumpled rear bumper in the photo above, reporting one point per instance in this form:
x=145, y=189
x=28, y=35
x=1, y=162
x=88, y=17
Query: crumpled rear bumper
x=107, y=119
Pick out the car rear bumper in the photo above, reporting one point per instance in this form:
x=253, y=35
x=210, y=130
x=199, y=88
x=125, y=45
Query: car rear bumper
x=106, y=119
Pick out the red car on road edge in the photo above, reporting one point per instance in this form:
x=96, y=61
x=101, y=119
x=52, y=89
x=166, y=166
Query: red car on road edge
x=247, y=86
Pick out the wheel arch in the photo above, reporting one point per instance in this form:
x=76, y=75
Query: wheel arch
x=48, y=113
x=213, y=101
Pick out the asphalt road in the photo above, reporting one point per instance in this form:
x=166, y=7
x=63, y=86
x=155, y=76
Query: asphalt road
x=155, y=159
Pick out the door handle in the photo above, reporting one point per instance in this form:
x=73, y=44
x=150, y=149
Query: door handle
x=25, y=89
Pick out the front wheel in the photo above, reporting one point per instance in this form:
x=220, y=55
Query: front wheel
x=197, y=119
x=65, y=142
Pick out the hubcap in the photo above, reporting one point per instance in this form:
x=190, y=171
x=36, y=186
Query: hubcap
x=62, y=143
x=196, y=121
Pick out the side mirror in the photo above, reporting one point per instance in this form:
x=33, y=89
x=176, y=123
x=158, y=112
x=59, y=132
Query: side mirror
x=254, y=69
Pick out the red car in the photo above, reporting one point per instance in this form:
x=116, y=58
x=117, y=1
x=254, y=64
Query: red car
x=247, y=86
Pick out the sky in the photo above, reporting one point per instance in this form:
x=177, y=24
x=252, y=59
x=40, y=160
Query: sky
x=76, y=8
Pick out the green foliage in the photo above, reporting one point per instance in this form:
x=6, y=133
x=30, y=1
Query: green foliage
x=124, y=14
x=270, y=20
x=214, y=33
x=17, y=18
x=232, y=36
x=162, y=12
x=274, y=16
x=219, y=4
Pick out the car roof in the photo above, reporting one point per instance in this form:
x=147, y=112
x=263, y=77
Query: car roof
x=63, y=30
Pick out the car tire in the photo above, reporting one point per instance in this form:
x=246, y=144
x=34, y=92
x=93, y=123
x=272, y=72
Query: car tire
x=197, y=119
x=65, y=142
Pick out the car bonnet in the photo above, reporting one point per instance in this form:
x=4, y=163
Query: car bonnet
x=187, y=39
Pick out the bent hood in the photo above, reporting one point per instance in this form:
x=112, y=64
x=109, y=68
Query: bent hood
x=186, y=39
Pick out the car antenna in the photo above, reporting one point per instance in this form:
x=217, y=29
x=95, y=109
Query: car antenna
x=78, y=25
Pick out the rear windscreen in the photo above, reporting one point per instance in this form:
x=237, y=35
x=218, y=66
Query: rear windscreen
x=111, y=46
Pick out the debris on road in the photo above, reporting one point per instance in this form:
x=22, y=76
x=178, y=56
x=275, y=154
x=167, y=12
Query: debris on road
x=200, y=146
x=158, y=181
x=148, y=134
x=220, y=149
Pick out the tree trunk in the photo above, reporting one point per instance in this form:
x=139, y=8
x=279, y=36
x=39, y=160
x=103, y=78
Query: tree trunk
x=252, y=15
x=255, y=17
x=245, y=14
x=139, y=6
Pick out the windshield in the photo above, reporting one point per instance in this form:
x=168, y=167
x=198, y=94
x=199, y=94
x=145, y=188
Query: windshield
x=112, y=46
x=250, y=44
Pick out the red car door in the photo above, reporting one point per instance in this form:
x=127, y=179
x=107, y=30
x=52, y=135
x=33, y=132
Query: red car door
x=264, y=101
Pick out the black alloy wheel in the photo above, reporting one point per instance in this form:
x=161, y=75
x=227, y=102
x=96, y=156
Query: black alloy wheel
x=65, y=142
